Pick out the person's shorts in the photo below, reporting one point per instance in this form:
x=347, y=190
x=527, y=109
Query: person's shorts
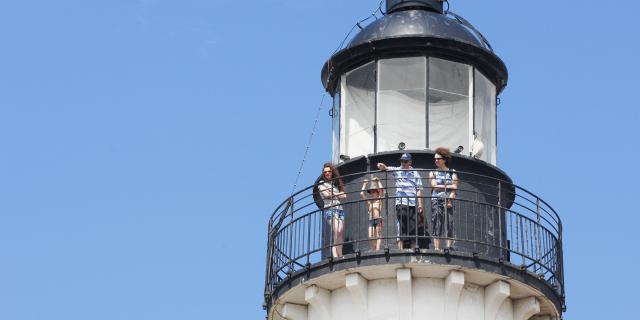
x=406, y=221
x=376, y=223
x=334, y=213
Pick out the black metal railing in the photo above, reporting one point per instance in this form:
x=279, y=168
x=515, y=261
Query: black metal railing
x=492, y=219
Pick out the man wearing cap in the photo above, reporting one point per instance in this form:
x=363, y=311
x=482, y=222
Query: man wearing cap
x=408, y=192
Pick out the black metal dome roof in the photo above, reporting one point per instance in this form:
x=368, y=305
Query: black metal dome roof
x=417, y=27
x=419, y=23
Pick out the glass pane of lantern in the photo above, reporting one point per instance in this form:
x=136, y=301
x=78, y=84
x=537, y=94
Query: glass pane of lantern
x=335, y=113
x=449, y=104
x=357, y=114
x=484, y=143
x=402, y=103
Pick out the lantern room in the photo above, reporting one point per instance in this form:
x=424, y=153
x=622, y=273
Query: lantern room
x=416, y=79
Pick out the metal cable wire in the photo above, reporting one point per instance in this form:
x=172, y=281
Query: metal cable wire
x=306, y=151
x=374, y=14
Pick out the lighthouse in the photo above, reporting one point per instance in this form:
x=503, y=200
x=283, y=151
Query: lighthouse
x=409, y=85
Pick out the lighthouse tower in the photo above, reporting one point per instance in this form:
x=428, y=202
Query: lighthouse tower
x=417, y=79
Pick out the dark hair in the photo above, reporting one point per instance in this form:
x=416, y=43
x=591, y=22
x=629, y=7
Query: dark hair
x=444, y=153
x=336, y=179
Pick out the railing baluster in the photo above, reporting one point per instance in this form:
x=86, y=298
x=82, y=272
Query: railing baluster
x=511, y=226
x=309, y=230
x=386, y=211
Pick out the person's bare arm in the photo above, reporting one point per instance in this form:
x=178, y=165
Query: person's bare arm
x=362, y=191
x=454, y=182
x=432, y=180
x=324, y=191
x=382, y=166
x=328, y=193
x=419, y=195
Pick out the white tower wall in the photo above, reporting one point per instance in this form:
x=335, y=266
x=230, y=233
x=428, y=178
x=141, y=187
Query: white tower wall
x=412, y=292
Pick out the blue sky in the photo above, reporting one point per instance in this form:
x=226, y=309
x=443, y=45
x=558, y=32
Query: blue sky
x=144, y=144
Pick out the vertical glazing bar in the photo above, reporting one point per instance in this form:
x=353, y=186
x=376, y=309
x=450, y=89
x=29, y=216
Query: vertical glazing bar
x=375, y=106
x=472, y=100
x=426, y=102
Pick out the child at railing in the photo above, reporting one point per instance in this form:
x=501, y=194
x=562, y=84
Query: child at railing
x=374, y=208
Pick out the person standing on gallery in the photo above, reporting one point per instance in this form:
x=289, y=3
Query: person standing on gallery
x=408, y=193
x=332, y=192
x=444, y=184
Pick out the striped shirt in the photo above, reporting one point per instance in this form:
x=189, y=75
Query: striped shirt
x=408, y=182
x=442, y=178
